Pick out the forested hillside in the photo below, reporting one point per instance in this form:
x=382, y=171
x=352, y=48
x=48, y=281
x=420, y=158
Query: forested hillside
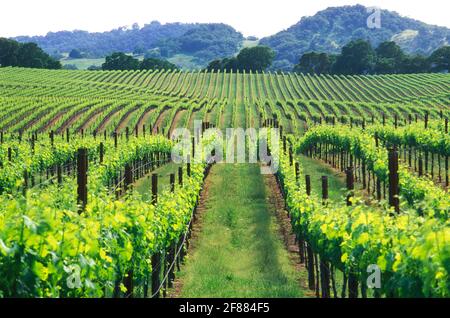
x=329, y=30
x=204, y=42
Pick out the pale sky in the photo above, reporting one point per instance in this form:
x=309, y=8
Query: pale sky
x=251, y=17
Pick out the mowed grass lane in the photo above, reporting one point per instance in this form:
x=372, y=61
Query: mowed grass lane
x=238, y=251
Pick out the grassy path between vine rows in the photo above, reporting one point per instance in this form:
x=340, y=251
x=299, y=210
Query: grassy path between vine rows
x=237, y=249
x=316, y=169
x=336, y=180
x=144, y=185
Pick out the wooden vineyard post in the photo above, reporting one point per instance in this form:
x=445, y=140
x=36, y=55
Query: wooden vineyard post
x=378, y=185
x=426, y=120
x=156, y=258
x=154, y=188
x=59, y=174
x=9, y=154
x=363, y=170
x=309, y=251
x=297, y=171
x=324, y=189
x=446, y=172
x=352, y=285
x=104, y=135
x=325, y=278
x=115, y=140
x=143, y=130
x=420, y=166
x=180, y=176
x=128, y=280
x=172, y=182
x=301, y=242
x=102, y=152
x=82, y=163
x=393, y=180
x=128, y=177
x=352, y=278
x=308, y=184
x=171, y=256
x=410, y=157
x=350, y=180
x=32, y=142
x=188, y=168
x=52, y=138
x=432, y=166
x=439, y=168
x=156, y=268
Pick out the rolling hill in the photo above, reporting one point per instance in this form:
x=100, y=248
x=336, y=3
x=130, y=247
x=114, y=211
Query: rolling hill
x=330, y=29
x=194, y=45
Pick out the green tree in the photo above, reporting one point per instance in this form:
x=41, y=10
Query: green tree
x=389, y=58
x=440, y=59
x=415, y=64
x=215, y=65
x=13, y=53
x=314, y=63
x=357, y=57
x=230, y=64
x=157, y=64
x=75, y=54
x=94, y=68
x=31, y=55
x=8, y=52
x=257, y=58
x=389, y=49
x=120, y=61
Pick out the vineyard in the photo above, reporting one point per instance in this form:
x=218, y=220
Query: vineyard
x=91, y=204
